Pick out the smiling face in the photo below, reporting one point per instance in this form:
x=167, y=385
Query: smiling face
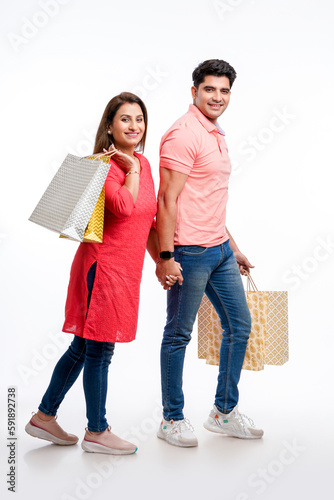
x=128, y=126
x=212, y=96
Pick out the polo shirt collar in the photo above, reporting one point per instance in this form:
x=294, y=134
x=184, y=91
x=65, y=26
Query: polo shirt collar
x=209, y=126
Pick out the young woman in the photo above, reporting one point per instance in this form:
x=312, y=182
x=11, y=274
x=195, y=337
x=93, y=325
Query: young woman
x=103, y=293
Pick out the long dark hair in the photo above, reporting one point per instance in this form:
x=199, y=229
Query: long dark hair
x=103, y=139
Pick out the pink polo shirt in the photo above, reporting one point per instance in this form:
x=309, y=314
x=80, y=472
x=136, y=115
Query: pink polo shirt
x=195, y=147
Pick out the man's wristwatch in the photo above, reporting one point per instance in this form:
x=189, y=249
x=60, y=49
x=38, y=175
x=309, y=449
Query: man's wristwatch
x=166, y=255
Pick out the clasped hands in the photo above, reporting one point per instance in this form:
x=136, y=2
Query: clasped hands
x=168, y=273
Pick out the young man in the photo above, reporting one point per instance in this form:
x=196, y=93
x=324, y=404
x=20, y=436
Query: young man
x=194, y=175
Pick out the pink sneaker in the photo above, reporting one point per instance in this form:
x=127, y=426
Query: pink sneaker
x=50, y=431
x=107, y=442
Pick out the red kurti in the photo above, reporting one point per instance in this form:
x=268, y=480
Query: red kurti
x=113, y=309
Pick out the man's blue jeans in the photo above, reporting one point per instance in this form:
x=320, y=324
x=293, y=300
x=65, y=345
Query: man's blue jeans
x=95, y=358
x=213, y=271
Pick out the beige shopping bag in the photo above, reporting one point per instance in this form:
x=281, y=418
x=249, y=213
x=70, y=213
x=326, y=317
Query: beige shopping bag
x=268, y=340
x=277, y=335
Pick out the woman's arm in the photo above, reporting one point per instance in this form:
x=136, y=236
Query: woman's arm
x=118, y=199
x=131, y=166
x=153, y=245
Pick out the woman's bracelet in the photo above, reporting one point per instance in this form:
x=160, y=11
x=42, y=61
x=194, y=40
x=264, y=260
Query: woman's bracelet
x=132, y=172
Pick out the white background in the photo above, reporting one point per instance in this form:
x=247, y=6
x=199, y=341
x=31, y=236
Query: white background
x=62, y=61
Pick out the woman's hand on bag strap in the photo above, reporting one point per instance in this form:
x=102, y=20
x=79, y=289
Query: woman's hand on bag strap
x=125, y=162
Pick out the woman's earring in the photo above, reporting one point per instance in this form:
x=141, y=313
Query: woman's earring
x=109, y=132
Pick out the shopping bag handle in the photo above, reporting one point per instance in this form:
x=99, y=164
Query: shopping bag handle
x=250, y=283
x=108, y=153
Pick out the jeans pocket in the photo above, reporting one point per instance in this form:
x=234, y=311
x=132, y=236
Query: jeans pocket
x=193, y=250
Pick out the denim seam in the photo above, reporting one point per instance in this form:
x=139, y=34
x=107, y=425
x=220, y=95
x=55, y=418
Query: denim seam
x=172, y=344
x=100, y=390
x=65, y=382
x=103, y=358
x=230, y=345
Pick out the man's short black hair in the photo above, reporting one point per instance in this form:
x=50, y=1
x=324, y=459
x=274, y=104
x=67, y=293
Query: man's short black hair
x=215, y=67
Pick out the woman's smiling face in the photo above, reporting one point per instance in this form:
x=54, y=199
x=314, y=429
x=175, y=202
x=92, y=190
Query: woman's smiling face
x=128, y=126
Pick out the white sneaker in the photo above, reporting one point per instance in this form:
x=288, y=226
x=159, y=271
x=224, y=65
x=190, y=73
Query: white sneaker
x=233, y=424
x=178, y=433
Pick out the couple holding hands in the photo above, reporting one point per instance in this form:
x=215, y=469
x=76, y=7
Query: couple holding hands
x=194, y=254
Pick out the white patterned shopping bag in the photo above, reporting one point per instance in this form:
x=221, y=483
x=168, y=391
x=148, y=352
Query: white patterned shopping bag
x=69, y=201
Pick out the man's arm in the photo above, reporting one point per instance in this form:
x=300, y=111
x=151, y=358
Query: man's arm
x=171, y=185
x=242, y=261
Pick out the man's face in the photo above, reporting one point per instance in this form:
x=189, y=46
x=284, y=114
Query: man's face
x=212, y=96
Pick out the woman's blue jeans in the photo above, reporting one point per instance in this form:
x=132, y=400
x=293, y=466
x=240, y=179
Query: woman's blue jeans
x=95, y=358
x=213, y=271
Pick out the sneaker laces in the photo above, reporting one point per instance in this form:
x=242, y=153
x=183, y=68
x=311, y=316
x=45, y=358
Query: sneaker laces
x=245, y=421
x=181, y=425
